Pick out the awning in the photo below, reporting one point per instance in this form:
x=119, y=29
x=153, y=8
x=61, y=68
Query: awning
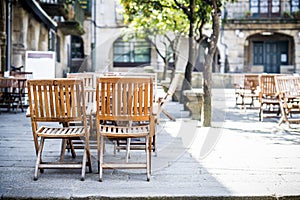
x=33, y=7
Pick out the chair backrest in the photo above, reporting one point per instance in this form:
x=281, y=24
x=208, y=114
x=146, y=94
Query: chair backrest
x=267, y=85
x=6, y=84
x=57, y=100
x=131, y=74
x=124, y=98
x=288, y=85
x=88, y=78
x=251, y=81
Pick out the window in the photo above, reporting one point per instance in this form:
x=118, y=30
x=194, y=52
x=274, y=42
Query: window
x=77, y=50
x=265, y=8
x=58, y=49
x=131, y=53
x=295, y=5
x=51, y=41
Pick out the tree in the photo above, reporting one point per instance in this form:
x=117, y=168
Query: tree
x=199, y=13
x=160, y=23
x=194, y=14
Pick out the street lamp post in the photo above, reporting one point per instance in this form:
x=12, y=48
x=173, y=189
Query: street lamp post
x=8, y=34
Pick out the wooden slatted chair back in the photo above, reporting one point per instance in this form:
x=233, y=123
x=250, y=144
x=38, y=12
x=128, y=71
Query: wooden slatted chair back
x=267, y=85
x=59, y=100
x=251, y=82
x=288, y=85
x=124, y=98
x=88, y=78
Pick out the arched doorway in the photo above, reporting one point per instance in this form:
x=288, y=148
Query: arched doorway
x=270, y=50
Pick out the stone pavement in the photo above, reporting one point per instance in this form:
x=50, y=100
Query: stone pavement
x=237, y=158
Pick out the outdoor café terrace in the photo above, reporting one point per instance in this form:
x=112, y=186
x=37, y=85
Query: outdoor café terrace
x=241, y=156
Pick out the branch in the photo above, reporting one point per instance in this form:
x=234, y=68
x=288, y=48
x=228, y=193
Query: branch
x=156, y=48
x=182, y=7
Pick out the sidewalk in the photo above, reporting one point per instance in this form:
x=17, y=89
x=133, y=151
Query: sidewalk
x=237, y=158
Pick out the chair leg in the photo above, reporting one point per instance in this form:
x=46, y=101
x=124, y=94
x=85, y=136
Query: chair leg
x=38, y=158
x=115, y=147
x=89, y=159
x=127, y=150
x=98, y=151
x=63, y=149
x=83, y=165
x=148, y=152
x=101, y=158
x=153, y=143
x=72, y=148
x=261, y=112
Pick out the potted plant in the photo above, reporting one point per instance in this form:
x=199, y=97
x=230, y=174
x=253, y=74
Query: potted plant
x=248, y=14
x=296, y=14
x=286, y=15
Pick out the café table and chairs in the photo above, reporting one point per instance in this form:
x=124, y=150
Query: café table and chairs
x=12, y=93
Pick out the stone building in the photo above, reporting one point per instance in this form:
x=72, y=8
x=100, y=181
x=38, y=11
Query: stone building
x=256, y=36
x=114, y=54
x=44, y=25
x=261, y=36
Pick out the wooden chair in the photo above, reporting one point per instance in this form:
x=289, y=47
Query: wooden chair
x=238, y=85
x=90, y=99
x=288, y=89
x=62, y=101
x=137, y=144
x=248, y=92
x=268, y=97
x=12, y=91
x=124, y=111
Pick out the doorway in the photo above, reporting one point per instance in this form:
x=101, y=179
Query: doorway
x=270, y=54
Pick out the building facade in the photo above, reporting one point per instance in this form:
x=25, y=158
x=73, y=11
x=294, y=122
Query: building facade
x=44, y=26
x=257, y=36
x=261, y=36
x=114, y=54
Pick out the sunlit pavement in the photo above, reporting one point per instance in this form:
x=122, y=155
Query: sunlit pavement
x=238, y=157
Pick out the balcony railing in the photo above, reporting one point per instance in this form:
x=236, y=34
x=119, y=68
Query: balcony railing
x=262, y=9
x=55, y=7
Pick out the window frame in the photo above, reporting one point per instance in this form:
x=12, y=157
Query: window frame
x=265, y=8
x=127, y=53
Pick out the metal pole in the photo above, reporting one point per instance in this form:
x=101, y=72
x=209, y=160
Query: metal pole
x=8, y=34
x=95, y=37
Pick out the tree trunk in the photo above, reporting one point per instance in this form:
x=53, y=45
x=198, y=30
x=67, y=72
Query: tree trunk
x=207, y=77
x=186, y=85
x=166, y=63
x=207, y=74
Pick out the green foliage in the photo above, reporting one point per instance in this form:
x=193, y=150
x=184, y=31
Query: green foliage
x=154, y=17
x=296, y=14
